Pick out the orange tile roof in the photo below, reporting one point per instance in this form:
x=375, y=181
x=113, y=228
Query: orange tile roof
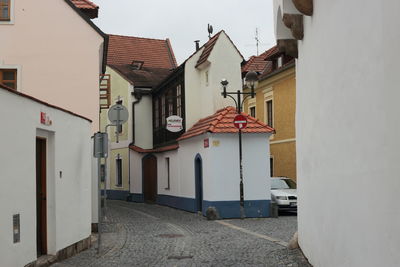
x=222, y=122
x=155, y=53
x=84, y=4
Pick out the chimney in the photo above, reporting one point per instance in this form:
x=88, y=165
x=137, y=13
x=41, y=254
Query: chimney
x=197, y=45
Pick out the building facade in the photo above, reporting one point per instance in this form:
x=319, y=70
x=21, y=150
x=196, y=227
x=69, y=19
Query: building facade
x=134, y=67
x=55, y=58
x=275, y=105
x=168, y=172
x=347, y=95
x=46, y=200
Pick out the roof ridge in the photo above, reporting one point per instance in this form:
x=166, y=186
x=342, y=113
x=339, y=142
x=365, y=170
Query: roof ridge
x=171, y=53
x=147, y=38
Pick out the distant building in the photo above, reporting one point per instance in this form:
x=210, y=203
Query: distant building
x=135, y=66
x=198, y=167
x=275, y=105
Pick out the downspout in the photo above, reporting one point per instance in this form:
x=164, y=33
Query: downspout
x=138, y=97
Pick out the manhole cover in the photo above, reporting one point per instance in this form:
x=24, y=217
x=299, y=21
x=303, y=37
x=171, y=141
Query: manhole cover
x=170, y=235
x=179, y=257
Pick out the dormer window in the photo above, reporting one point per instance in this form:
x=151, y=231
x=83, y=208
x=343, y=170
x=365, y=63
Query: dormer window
x=5, y=10
x=280, y=62
x=136, y=64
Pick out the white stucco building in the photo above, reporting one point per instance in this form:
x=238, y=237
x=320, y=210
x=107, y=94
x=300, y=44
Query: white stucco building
x=45, y=161
x=347, y=128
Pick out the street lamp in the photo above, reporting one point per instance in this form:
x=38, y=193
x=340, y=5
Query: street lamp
x=251, y=80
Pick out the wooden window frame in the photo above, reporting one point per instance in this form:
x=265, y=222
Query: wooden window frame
x=251, y=108
x=9, y=11
x=15, y=81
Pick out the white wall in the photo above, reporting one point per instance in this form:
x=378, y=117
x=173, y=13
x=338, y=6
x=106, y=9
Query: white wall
x=202, y=100
x=68, y=197
x=135, y=172
x=58, y=55
x=144, y=123
x=347, y=128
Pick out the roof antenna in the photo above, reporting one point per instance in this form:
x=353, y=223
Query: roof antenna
x=257, y=40
x=210, y=30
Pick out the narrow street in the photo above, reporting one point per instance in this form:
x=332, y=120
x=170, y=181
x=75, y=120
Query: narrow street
x=152, y=235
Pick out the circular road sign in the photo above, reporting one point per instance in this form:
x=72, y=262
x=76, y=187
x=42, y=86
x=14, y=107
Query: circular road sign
x=240, y=122
x=118, y=114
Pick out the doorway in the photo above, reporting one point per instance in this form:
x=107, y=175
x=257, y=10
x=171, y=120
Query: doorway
x=149, y=166
x=198, y=172
x=41, y=197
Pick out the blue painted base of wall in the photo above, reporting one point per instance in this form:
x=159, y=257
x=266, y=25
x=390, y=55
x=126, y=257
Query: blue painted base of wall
x=136, y=197
x=117, y=194
x=182, y=203
x=226, y=209
x=231, y=209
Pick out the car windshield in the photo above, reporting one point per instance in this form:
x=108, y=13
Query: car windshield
x=282, y=184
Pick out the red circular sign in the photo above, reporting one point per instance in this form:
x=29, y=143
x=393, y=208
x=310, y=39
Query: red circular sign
x=240, y=122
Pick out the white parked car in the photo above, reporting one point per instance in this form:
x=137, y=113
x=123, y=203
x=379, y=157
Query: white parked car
x=284, y=193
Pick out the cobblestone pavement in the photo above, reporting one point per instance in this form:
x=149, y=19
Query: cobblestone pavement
x=151, y=235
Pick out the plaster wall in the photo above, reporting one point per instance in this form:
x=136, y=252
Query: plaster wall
x=144, y=123
x=59, y=63
x=203, y=98
x=347, y=129
x=68, y=177
x=136, y=172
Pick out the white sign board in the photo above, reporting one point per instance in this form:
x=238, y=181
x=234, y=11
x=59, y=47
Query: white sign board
x=174, y=124
x=118, y=114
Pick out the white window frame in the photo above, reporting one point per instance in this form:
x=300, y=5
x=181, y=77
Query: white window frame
x=12, y=17
x=269, y=95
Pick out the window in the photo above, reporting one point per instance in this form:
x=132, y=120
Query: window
x=118, y=166
x=156, y=113
x=163, y=121
x=179, y=100
x=271, y=166
x=269, y=114
x=280, y=62
x=253, y=112
x=170, y=103
x=168, y=172
x=5, y=10
x=8, y=77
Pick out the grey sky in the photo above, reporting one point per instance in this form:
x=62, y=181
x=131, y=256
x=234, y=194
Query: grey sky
x=183, y=21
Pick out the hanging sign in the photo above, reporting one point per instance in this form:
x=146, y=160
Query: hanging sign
x=174, y=124
x=240, y=122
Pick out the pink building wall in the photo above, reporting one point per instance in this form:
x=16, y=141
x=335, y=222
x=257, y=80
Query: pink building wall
x=57, y=53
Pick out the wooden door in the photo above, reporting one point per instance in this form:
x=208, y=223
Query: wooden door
x=41, y=194
x=150, y=179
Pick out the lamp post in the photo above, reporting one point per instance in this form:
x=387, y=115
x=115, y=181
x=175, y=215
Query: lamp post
x=251, y=80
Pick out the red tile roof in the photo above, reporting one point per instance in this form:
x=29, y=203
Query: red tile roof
x=84, y=4
x=155, y=53
x=155, y=150
x=260, y=63
x=222, y=122
x=208, y=47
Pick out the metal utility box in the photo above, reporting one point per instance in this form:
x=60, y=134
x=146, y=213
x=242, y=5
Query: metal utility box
x=100, y=145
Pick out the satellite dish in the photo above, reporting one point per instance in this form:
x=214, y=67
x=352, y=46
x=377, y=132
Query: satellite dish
x=210, y=30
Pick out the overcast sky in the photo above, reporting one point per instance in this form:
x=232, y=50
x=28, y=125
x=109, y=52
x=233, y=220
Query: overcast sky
x=183, y=21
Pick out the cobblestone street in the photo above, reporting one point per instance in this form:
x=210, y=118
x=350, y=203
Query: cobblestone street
x=152, y=235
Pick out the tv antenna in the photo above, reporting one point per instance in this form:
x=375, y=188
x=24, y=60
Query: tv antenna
x=210, y=30
x=258, y=42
